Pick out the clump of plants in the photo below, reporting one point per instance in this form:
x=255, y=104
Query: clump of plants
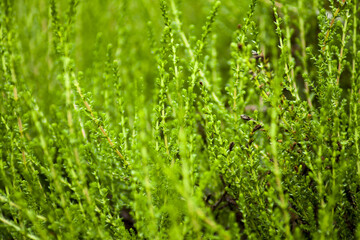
x=179, y=119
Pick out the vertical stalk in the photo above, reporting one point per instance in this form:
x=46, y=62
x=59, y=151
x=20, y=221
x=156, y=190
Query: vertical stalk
x=291, y=81
x=355, y=93
x=343, y=42
x=303, y=53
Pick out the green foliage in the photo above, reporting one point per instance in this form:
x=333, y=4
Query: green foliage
x=179, y=119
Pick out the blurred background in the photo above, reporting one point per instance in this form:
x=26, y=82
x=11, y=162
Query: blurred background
x=134, y=28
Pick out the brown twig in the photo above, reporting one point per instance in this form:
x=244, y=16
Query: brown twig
x=76, y=83
x=332, y=24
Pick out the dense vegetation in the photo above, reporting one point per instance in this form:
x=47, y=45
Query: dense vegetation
x=177, y=119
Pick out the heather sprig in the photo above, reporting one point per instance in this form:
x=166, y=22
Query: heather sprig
x=179, y=119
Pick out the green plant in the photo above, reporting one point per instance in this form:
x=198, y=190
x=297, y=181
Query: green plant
x=179, y=119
